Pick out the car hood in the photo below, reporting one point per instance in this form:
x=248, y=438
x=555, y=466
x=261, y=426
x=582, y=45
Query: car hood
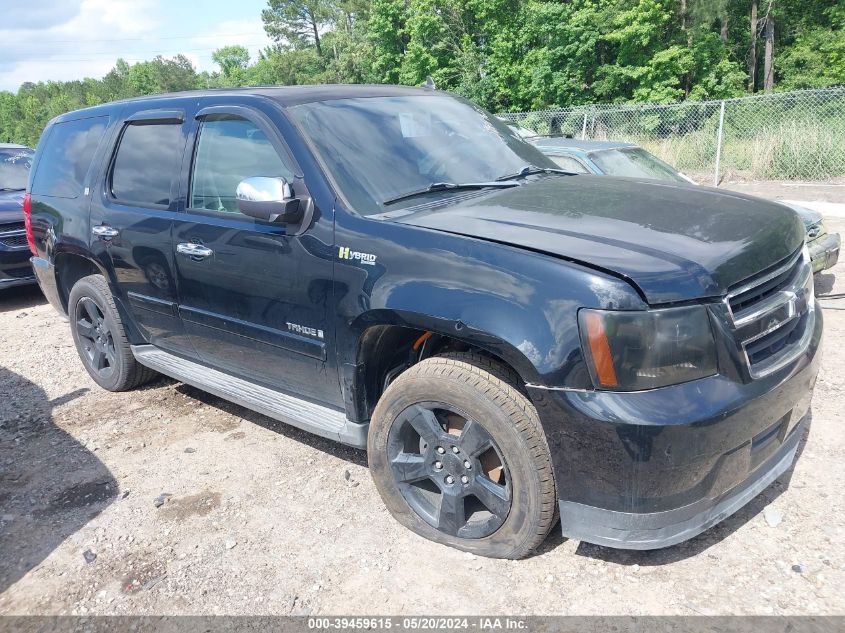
x=674, y=242
x=11, y=206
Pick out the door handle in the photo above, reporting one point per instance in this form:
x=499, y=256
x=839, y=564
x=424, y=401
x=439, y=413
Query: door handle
x=104, y=232
x=194, y=251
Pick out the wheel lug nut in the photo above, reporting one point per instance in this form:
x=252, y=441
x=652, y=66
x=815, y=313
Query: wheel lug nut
x=456, y=450
x=467, y=464
x=450, y=480
x=464, y=479
x=441, y=450
x=438, y=465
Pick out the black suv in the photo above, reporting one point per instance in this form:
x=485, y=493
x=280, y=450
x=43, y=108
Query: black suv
x=393, y=268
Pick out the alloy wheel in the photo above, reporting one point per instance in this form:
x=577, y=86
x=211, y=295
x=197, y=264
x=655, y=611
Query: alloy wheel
x=95, y=337
x=449, y=470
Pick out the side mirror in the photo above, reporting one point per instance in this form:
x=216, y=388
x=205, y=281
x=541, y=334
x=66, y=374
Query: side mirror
x=268, y=199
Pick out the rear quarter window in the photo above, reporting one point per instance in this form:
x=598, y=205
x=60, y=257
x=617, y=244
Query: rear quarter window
x=66, y=157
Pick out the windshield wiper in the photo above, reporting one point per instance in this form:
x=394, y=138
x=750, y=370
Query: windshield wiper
x=12, y=188
x=499, y=183
x=530, y=170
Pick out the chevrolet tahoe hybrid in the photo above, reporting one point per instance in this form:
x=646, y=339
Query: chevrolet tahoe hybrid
x=394, y=269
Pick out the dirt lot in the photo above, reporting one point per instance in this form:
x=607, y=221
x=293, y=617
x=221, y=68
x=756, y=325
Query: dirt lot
x=264, y=519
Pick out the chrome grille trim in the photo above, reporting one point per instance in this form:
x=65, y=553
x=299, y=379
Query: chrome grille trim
x=759, y=281
x=790, y=299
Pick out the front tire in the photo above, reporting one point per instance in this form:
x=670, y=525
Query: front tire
x=459, y=457
x=100, y=337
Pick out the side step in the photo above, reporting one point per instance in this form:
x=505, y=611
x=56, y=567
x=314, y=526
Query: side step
x=302, y=414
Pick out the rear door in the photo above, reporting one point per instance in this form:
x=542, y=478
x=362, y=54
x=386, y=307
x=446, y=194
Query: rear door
x=253, y=296
x=132, y=218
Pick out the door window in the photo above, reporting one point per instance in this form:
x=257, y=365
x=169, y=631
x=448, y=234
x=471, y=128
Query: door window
x=229, y=150
x=146, y=163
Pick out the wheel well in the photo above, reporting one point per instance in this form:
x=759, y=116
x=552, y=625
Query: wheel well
x=71, y=268
x=386, y=351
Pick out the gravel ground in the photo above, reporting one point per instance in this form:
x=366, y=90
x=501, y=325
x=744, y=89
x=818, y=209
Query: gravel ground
x=170, y=501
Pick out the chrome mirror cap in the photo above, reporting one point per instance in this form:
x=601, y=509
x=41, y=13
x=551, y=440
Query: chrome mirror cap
x=263, y=189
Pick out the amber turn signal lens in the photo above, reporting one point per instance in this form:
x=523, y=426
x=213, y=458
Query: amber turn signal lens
x=600, y=350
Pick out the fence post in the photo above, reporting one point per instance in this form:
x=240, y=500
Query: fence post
x=584, y=127
x=719, y=142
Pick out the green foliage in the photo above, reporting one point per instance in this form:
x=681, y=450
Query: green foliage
x=23, y=115
x=233, y=62
x=297, y=22
x=501, y=54
x=816, y=58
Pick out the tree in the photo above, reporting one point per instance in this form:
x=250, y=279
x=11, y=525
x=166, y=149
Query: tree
x=752, y=49
x=297, y=23
x=233, y=62
x=768, y=59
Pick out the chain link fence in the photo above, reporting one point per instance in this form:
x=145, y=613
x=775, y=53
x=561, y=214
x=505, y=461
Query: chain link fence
x=789, y=136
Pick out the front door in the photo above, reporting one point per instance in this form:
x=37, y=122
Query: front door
x=253, y=297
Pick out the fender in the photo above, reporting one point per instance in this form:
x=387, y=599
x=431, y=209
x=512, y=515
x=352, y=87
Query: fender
x=65, y=252
x=516, y=304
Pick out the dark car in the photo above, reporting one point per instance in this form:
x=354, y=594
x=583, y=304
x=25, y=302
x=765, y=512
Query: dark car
x=15, y=163
x=611, y=158
x=391, y=268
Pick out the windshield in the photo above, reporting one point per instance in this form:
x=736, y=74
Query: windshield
x=14, y=168
x=380, y=148
x=634, y=162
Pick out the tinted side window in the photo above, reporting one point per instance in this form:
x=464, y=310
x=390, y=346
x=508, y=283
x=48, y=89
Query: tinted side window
x=229, y=150
x=66, y=157
x=146, y=163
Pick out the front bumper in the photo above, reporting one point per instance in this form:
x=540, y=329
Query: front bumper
x=824, y=251
x=14, y=267
x=645, y=470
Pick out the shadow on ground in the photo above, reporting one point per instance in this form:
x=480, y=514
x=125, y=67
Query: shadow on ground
x=50, y=485
x=330, y=447
x=21, y=298
x=708, y=538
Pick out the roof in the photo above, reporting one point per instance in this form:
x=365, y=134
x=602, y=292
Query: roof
x=283, y=95
x=13, y=146
x=578, y=144
x=293, y=95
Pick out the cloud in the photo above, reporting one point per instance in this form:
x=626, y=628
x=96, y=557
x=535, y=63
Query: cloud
x=228, y=33
x=70, y=39
x=40, y=14
x=84, y=38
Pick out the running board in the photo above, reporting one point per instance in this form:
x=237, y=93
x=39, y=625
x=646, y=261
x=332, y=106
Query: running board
x=302, y=414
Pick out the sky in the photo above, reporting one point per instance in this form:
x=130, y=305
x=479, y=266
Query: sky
x=43, y=40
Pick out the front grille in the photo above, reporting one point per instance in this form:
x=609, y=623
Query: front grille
x=12, y=227
x=14, y=241
x=761, y=290
x=13, y=235
x=772, y=314
x=774, y=342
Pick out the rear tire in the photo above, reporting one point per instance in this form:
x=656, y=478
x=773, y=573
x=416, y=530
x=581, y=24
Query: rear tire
x=490, y=490
x=100, y=337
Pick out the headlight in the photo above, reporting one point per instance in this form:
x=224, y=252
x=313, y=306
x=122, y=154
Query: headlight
x=630, y=351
